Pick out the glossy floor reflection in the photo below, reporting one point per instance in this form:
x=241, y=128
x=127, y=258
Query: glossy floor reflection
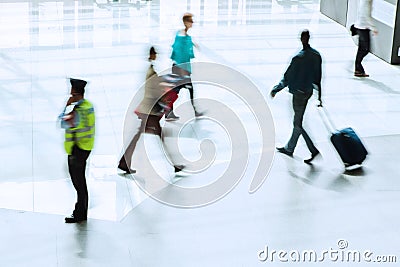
x=299, y=207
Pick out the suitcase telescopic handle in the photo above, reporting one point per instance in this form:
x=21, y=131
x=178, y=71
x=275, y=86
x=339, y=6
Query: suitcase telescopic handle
x=330, y=126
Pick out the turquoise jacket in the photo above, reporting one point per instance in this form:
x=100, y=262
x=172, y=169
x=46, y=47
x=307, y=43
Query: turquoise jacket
x=182, y=51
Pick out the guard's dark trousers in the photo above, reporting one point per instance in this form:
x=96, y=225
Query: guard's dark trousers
x=77, y=167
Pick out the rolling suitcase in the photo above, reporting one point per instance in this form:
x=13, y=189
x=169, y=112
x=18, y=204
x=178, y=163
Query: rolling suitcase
x=346, y=142
x=349, y=146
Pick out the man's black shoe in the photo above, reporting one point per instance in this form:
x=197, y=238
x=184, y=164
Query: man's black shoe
x=284, y=151
x=308, y=161
x=72, y=219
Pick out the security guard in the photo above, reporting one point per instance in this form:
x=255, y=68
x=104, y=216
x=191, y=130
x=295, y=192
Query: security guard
x=78, y=120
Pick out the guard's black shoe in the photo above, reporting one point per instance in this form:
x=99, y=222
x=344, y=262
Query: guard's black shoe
x=73, y=219
x=308, y=161
x=284, y=151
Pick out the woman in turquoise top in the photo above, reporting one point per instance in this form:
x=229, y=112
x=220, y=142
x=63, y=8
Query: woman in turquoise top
x=182, y=50
x=182, y=53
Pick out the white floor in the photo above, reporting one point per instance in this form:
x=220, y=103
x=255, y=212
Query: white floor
x=298, y=208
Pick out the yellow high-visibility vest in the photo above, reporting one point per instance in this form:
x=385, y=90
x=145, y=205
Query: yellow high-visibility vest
x=83, y=134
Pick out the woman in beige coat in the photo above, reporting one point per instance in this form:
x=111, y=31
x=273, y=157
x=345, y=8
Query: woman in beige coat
x=149, y=112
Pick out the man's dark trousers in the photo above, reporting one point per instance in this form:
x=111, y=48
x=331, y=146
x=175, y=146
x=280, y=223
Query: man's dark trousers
x=77, y=168
x=364, y=45
x=299, y=106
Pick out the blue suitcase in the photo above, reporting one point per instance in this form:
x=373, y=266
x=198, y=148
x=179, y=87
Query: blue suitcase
x=346, y=142
x=349, y=146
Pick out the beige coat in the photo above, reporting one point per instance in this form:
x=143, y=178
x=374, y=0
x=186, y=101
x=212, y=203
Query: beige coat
x=153, y=92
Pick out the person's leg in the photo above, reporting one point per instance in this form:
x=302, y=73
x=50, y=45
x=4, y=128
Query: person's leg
x=77, y=167
x=72, y=169
x=299, y=107
x=186, y=83
x=153, y=125
x=170, y=116
x=126, y=159
x=189, y=86
x=310, y=145
x=309, y=142
x=363, y=50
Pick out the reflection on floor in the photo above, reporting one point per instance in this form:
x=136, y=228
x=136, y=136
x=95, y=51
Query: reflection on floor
x=298, y=207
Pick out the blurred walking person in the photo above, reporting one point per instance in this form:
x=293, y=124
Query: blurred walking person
x=150, y=111
x=182, y=53
x=302, y=74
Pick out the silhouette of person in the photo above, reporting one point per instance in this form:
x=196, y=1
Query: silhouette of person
x=302, y=74
x=363, y=27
